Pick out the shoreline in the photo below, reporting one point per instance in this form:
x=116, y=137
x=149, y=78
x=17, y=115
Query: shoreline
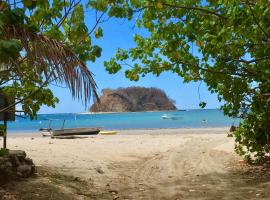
x=14, y=134
x=177, y=110
x=154, y=111
x=126, y=121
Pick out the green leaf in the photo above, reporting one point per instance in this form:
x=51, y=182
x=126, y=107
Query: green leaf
x=99, y=32
x=202, y=104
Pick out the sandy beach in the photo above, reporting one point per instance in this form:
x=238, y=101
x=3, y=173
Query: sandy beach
x=136, y=164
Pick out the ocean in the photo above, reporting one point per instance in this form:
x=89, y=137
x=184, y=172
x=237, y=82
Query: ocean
x=204, y=118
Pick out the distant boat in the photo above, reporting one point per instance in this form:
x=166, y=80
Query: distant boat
x=165, y=116
x=172, y=117
x=204, y=121
x=176, y=118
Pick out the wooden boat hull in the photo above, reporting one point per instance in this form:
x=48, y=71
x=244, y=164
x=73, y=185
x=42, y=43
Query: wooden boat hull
x=75, y=131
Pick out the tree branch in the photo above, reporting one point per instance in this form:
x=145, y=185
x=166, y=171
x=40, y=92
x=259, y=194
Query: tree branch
x=97, y=22
x=67, y=12
x=257, y=22
x=201, y=9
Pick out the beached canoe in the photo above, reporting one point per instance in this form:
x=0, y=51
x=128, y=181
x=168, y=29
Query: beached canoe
x=75, y=131
x=108, y=132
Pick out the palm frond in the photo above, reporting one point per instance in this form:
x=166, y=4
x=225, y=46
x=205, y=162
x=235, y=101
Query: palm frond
x=53, y=58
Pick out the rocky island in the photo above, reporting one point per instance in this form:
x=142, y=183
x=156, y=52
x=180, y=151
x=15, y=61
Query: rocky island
x=132, y=99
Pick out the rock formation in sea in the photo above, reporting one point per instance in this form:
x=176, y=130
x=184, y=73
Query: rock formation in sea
x=132, y=99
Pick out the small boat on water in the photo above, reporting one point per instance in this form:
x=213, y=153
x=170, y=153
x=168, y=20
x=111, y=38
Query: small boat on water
x=204, y=121
x=167, y=116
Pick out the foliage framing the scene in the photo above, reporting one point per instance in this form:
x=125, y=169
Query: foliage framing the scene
x=232, y=41
x=45, y=42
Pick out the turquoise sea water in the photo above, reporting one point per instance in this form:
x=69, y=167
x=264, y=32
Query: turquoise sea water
x=131, y=120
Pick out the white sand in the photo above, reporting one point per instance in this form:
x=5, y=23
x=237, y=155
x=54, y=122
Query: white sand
x=127, y=145
x=160, y=161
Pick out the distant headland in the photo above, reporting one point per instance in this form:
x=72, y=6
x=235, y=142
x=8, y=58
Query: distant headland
x=133, y=99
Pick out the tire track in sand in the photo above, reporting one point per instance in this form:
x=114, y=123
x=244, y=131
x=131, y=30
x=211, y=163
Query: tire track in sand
x=181, y=171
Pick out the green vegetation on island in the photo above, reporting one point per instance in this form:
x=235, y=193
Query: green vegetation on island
x=133, y=99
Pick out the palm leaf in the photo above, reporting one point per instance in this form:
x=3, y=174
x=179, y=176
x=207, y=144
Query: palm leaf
x=55, y=60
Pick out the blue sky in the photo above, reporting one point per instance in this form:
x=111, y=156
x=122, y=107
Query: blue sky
x=119, y=34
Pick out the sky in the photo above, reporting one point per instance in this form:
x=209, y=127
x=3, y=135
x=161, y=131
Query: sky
x=119, y=34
